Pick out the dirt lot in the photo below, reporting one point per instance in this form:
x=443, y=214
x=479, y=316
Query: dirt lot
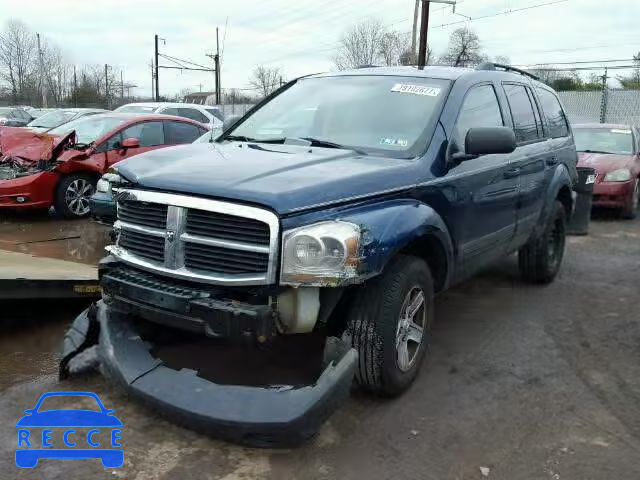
x=523, y=383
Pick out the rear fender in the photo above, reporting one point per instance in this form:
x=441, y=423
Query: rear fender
x=561, y=178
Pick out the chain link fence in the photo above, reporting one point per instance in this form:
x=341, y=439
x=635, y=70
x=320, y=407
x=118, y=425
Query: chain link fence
x=605, y=106
x=236, y=108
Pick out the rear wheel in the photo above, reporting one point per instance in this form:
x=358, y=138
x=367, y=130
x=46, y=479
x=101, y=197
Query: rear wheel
x=631, y=210
x=540, y=259
x=390, y=325
x=73, y=194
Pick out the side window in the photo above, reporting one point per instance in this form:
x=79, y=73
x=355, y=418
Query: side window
x=150, y=134
x=216, y=113
x=193, y=114
x=112, y=143
x=180, y=132
x=170, y=111
x=536, y=113
x=558, y=125
x=524, y=120
x=479, y=109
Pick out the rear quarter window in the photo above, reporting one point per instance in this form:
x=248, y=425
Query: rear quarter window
x=556, y=118
x=525, y=125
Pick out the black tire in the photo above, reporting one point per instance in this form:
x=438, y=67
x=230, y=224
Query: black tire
x=631, y=211
x=64, y=205
x=373, y=326
x=541, y=258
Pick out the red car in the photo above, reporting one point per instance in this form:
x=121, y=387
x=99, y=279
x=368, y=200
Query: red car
x=614, y=152
x=61, y=167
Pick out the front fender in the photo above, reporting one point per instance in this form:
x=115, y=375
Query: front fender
x=390, y=226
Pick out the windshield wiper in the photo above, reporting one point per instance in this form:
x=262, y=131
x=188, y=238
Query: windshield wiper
x=318, y=142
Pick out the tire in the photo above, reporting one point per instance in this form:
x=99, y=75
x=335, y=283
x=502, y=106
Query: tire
x=631, y=211
x=376, y=331
x=541, y=258
x=78, y=187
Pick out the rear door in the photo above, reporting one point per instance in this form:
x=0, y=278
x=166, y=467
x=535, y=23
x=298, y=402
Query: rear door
x=528, y=162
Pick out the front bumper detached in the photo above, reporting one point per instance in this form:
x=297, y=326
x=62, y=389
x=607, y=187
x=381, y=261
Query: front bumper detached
x=261, y=417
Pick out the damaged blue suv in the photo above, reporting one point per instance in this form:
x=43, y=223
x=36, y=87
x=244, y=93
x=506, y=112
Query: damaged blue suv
x=338, y=207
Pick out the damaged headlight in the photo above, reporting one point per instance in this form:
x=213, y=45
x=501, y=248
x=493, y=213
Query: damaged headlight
x=319, y=254
x=107, y=180
x=621, y=175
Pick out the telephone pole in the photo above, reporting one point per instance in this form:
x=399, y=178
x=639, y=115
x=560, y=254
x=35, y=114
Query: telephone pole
x=153, y=76
x=106, y=85
x=414, y=33
x=156, y=60
x=75, y=87
x=217, y=67
x=43, y=86
x=424, y=29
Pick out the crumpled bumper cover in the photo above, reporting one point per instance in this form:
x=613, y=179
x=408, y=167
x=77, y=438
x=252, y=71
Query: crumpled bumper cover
x=254, y=416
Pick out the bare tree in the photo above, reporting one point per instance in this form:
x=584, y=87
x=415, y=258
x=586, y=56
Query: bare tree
x=266, y=80
x=360, y=45
x=464, y=50
x=395, y=49
x=18, y=57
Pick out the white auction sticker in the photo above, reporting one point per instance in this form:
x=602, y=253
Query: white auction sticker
x=416, y=89
x=625, y=132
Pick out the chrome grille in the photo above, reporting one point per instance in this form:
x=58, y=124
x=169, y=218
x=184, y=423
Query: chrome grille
x=228, y=227
x=141, y=213
x=196, y=239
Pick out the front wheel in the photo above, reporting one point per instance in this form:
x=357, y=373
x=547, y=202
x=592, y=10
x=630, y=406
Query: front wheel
x=390, y=324
x=73, y=194
x=540, y=259
x=631, y=210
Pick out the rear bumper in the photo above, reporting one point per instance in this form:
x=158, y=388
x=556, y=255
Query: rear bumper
x=262, y=417
x=103, y=208
x=38, y=190
x=613, y=194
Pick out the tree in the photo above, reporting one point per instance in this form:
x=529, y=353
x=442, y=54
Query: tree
x=266, y=80
x=464, y=50
x=360, y=45
x=395, y=49
x=18, y=58
x=632, y=81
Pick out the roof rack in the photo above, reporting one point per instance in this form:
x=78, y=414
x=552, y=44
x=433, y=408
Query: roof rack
x=506, y=68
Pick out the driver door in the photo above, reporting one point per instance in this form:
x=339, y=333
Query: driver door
x=149, y=134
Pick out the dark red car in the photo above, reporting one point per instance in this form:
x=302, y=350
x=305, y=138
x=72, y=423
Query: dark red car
x=614, y=152
x=61, y=167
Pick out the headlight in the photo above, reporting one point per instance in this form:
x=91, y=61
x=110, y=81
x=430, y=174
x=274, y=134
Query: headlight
x=108, y=179
x=319, y=254
x=621, y=175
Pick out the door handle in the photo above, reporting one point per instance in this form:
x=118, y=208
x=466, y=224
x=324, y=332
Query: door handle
x=513, y=173
x=551, y=161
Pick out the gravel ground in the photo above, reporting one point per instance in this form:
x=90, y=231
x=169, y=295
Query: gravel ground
x=523, y=382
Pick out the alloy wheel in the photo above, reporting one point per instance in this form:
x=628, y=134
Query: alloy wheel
x=77, y=196
x=411, y=328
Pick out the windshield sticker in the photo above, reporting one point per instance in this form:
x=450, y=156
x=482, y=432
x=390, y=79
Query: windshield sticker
x=269, y=132
x=394, y=142
x=625, y=132
x=416, y=89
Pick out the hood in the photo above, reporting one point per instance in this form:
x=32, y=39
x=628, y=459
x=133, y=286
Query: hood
x=283, y=177
x=604, y=162
x=30, y=146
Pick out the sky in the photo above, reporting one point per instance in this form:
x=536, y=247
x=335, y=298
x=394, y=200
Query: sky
x=300, y=37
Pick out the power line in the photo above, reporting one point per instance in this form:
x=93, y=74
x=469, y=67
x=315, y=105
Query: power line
x=582, y=62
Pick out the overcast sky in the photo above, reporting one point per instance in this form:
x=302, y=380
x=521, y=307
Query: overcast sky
x=300, y=36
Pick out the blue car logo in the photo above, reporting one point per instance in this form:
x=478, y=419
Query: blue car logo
x=32, y=447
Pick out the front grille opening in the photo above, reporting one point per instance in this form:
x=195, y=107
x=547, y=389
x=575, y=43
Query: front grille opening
x=142, y=245
x=294, y=360
x=152, y=215
x=227, y=227
x=223, y=260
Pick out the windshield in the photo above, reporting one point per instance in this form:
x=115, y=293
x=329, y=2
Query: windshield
x=375, y=114
x=53, y=119
x=604, y=140
x=137, y=109
x=89, y=129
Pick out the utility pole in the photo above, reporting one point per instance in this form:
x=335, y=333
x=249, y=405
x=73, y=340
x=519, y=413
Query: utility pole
x=106, y=85
x=156, y=60
x=75, y=87
x=424, y=29
x=217, y=61
x=121, y=86
x=414, y=33
x=43, y=86
x=153, y=75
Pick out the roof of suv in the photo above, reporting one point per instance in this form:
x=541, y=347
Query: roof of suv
x=439, y=72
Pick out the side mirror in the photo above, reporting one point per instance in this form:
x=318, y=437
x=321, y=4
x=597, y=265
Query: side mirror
x=230, y=121
x=130, y=143
x=486, y=141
